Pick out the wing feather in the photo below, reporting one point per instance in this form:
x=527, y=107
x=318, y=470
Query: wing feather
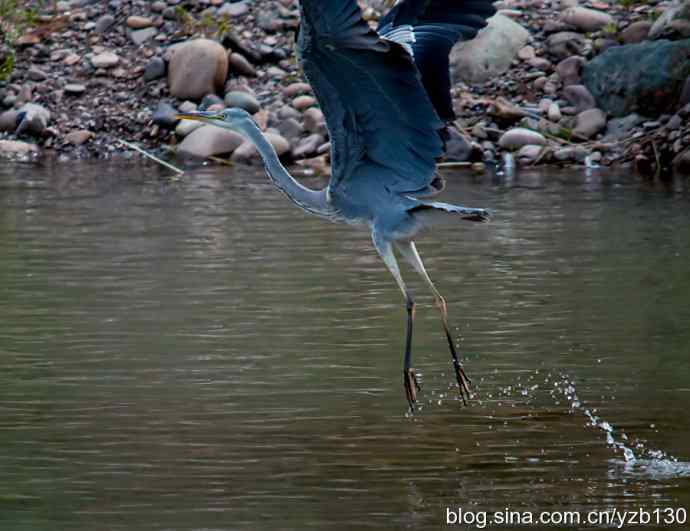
x=375, y=106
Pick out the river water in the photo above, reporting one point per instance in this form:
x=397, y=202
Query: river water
x=197, y=354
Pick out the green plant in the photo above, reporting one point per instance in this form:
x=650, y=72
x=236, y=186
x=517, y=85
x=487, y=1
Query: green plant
x=206, y=26
x=14, y=20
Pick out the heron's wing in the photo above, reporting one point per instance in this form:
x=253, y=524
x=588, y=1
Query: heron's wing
x=429, y=29
x=376, y=108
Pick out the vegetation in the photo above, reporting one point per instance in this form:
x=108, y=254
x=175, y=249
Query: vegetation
x=207, y=25
x=15, y=19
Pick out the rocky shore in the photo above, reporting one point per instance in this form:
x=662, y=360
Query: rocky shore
x=548, y=82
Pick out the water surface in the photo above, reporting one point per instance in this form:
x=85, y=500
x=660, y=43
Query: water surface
x=198, y=354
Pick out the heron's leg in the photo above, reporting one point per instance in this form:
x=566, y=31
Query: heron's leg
x=385, y=250
x=409, y=251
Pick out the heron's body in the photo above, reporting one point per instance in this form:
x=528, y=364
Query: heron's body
x=385, y=95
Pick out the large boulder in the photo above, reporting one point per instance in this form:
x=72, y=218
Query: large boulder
x=646, y=78
x=197, y=68
x=490, y=53
x=673, y=23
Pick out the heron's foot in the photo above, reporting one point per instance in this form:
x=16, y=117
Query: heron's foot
x=464, y=382
x=411, y=387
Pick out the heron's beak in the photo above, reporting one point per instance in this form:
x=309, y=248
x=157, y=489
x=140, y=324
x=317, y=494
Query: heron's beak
x=199, y=116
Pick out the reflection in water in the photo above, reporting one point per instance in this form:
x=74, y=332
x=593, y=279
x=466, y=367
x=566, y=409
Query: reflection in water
x=197, y=354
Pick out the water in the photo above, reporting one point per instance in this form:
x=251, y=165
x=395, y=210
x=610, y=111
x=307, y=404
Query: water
x=196, y=354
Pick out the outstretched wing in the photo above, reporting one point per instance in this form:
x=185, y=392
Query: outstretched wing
x=376, y=108
x=429, y=29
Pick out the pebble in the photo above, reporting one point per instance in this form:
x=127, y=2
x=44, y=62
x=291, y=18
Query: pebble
x=314, y=121
x=234, y=9
x=585, y=19
x=79, y=137
x=104, y=23
x=295, y=89
x=308, y=147
x=247, y=152
x=75, y=88
x=243, y=100
x=238, y=64
x=580, y=97
x=590, y=122
x=155, y=69
x=302, y=103
x=518, y=137
x=16, y=147
x=209, y=140
x=141, y=36
x=105, y=60
x=136, y=22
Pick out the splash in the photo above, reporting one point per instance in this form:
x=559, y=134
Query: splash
x=639, y=459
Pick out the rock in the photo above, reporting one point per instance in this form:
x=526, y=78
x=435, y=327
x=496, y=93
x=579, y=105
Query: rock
x=141, y=36
x=619, y=128
x=286, y=112
x=290, y=129
x=196, y=68
x=211, y=100
x=247, y=152
x=104, y=23
x=105, y=60
x=36, y=74
x=234, y=9
x=681, y=162
x=460, y=148
x=529, y=153
x=646, y=78
x=243, y=100
x=33, y=119
x=673, y=22
x=590, y=122
x=554, y=112
x=518, y=137
x=15, y=147
x=569, y=70
x=155, y=69
x=586, y=19
x=308, y=147
x=75, y=89
x=490, y=53
x=295, y=89
x=579, y=97
x=314, y=121
x=239, y=65
x=78, y=137
x=526, y=53
x=209, y=140
x=302, y=103
x=186, y=127
x=158, y=6
x=566, y=43
x=9, y=120
x=135, y=22
x=636, y=32
x=164, y=116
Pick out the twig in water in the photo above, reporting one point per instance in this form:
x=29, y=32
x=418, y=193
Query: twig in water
x=152, y=157
x=453, y=164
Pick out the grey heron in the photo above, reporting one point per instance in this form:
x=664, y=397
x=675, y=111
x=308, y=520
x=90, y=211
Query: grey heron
x=385, y=95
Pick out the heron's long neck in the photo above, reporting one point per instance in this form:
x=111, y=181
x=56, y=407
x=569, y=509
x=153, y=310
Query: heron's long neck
x=313, y=201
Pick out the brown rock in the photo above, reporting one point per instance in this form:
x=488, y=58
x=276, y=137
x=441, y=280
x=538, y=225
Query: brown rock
x=303, y=102
x=246, y=152
x=590, y=122
x=308, y=147
x=238, y=64
x=314, y=121
x=295, y=89
x=569, y=70
x=79, y=137
x=135, y=22
x=198, y=67
x=580, y=97
x=636, y=32
x=209, y=140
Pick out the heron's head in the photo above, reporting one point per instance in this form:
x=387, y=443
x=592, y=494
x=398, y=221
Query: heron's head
x=234, y=119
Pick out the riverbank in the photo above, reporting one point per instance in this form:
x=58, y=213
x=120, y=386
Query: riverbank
x=552, y=82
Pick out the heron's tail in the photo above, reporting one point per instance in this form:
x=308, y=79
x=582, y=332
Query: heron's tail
x=433, y=210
